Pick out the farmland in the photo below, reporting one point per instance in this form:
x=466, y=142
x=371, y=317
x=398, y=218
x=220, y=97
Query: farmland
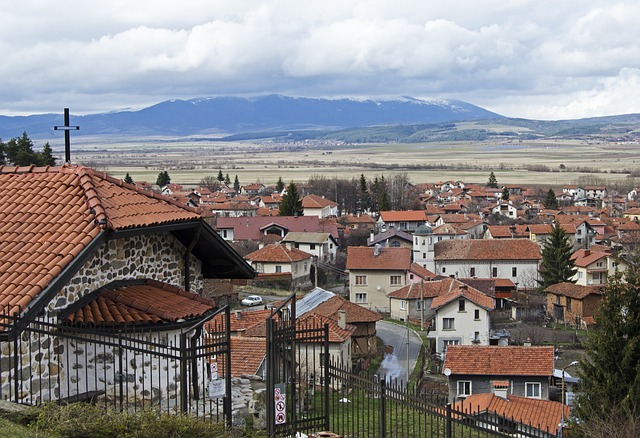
x=533, y=162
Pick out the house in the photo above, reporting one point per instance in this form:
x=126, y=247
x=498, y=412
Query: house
x=89, y=254
x=322, y=246
x=238, y=229
x=425, y=237
x=513, y=259
x=502, y=290
x=277, y=258
x=314, y=205
x=329, y=305
x=573, y=303
x=505, y=208
x=532, y=417
x=376, y=272
x=392, y=237
x=413, y=301
x=252, y=189
x=595, y=265
x=512, y=370
x=407, y=220
x=461, y=317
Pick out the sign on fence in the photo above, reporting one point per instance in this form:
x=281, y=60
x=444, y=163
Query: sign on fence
x=280, y=400
x=217, y=388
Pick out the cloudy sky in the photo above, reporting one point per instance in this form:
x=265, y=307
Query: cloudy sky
x=536, y=59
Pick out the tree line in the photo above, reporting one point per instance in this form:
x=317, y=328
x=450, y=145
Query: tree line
x=19, y=152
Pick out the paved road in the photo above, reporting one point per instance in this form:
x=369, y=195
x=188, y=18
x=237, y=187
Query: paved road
x=394, y=366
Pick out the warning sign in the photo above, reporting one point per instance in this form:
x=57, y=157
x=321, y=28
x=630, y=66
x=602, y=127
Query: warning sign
x=280, y=400
x=217, y=388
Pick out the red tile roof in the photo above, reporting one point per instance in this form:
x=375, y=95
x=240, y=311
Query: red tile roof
x=500, y=361
x=354, y=312
x=277, y=253
x=362, y=257
x=487, y=249
x=403, y=216
x=151, y=302
x=422, y=272
x=337, y=334
x=542, y=414
x=575, y=291
x=50, y=215
x=468, y=292
x=247, y=354
x=251, y=227
x=585, y=257
x=315, y=201
x=426, y=289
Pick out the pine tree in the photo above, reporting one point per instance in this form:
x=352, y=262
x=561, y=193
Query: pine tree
x=227, y=180
x=128, y=179
x=365, y=200
x=291, y=204
x=236, y=184
x=493, y=182
x=505, y=194
x=550, y=201
x=46, y=156
x=556, y=265
x=220, y=176
x=279, y=185
x=609, y=392
x=163, y=178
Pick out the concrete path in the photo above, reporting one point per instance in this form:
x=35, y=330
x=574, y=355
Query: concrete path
x=395, y=364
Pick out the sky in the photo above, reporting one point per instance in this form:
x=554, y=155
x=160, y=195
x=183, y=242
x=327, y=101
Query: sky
x=538, y=59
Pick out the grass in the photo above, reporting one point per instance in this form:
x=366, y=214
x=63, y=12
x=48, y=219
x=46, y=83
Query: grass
x=9, y=429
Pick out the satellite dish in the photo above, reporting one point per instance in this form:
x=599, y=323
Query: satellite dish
x=447, y=372
x=378, y=287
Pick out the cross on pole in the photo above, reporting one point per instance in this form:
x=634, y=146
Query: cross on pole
x=67, y=137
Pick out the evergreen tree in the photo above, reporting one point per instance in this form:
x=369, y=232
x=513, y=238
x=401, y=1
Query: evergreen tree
x=556, y=265
x=279, y=185
x=365, y=201
x=163, y=178
x=236, y=184
x=19, y=151
x=550, y=201
x=227, y=180
x=384, y=203
x=128, y=179
x=3, y=146
x=505, y=194
x=608, y=402
x=493, y=182
x=46, y=156
x=291, y=204
x=220, y=176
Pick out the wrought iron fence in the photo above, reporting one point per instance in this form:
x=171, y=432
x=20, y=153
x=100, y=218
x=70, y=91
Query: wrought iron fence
x=170, y=368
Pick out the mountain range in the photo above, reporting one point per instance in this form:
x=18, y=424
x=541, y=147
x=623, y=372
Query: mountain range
x=234, y=115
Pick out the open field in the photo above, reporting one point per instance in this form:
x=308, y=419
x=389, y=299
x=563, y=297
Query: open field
x=513, y=162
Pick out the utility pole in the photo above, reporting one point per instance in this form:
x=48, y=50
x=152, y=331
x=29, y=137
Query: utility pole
x=67, y=135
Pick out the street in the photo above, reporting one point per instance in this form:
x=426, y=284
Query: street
x=395, y=364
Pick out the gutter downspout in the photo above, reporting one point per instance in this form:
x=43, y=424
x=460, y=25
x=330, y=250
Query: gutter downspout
x=187, y=258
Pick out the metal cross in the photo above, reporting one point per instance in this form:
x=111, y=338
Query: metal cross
x=67, y=137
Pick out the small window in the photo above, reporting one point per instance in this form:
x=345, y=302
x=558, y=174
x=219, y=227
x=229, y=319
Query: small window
x=472, y=272
x=533, y=390
x=494, y=272
x=278, y=268
x=514, y=272
x=395, y=280
x=424, y=255
x=403, y=305
x=305, y=267
x=476, y=337
x=224, y=233
x=476, y=314
x=464, y=388
x=361, y=298
x=361, y=280
x=568, y=303
x=461, y=305
x=444, y=269
x=418, y=305
x=312, y=246
x=448, y=324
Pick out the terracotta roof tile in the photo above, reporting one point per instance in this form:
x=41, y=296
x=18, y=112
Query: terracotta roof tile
x=404, y=216
x=354, y=312
x=542, y=414
x=466, y=291
x=362, y=257
x=315, y=201
x=247, y=354
x=500, y=361
x=152, y=302
x=487, y=249
x=575, y=291
x=49, y=215
x=426, y=289
x=277, y=253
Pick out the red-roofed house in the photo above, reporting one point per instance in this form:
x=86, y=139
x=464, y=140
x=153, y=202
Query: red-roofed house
x=514, y=259
x=461, y=317
x=374, y=273
x=314, y=205
x=595, y=265
x=277, y=258
x=473, y=369
x=573, y=303
x=98, y=255
x=407, y=220
x=540, y=418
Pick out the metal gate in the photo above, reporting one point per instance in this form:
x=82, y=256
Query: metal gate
x=297, y=373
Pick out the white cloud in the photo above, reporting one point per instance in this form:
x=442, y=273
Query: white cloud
x=526, y=58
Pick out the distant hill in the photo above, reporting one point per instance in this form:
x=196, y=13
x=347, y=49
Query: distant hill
x=233, y=115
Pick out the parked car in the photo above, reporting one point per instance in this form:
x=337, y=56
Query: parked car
x=252, y=300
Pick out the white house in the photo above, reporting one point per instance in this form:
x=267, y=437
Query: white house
x=320, y=245
x=515, y=259
x=277, y=258
x=424, y=239
x=314, y=205
x=461, y=317
x=505, y=209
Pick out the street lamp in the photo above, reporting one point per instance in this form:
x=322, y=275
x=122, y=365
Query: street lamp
x=572, y=364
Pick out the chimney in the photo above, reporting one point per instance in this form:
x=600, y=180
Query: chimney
x=342, y=319
x=371, y=236
x=587, y=252
x=376, y=250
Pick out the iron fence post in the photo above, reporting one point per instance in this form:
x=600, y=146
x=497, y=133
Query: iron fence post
x=227, y=400
x=326, y=386
x=448, y=424
x=383, y=408
x=183, y=373
x=120, y=367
